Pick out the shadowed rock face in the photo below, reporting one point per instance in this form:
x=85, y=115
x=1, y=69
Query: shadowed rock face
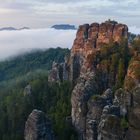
x=134, y=117
x=38, y=127
x=54, y=75
x=83, y=90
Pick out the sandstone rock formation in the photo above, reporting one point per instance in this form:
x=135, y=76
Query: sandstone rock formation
x=89, y=40
x=28, y=90
x=60, y=72
x=54, y=75
x=38, y=127
x=92, y=37
x=84, y=89
x=134, y=117
x=98, y=115
x=87, y=115
x=133, y=75
x=132, y=84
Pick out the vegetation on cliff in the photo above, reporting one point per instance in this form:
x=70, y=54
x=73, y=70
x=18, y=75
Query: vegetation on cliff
x=22, y=64
x=15, y=104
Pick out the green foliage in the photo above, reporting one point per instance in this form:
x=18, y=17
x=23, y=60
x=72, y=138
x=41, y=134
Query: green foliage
x=54, y=100
x=136, y=44
x=124, y=123
x=95, y=97
x=114, y=60
x=29, y=62
x=121, y=73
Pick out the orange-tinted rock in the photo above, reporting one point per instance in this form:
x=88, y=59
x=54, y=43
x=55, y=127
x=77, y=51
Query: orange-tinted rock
x=132, y=78
x=93, y=37
x=120, y=30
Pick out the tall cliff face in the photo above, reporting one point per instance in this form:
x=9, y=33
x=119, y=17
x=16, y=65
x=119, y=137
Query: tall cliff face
x=92, y=37
x=87, y=116
x=98, y=64
x=102, y=116
x=132, y=85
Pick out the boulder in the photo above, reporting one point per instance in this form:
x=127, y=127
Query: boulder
x=38, y=127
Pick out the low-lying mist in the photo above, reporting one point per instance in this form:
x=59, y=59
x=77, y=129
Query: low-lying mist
x=18, y=42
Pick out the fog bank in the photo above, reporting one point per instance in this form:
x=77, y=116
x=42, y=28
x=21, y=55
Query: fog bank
x=17, y=42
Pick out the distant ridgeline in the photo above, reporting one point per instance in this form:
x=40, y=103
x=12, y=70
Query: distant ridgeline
x=64, y=27
x=13, y=29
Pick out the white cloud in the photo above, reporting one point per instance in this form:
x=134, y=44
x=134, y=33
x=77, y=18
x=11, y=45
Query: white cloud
x=43, y=13
x=134, y=30
x=16, y=42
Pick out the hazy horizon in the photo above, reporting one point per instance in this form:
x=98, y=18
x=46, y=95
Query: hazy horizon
x=44, y=13
x=13, y=43
x=39, y=15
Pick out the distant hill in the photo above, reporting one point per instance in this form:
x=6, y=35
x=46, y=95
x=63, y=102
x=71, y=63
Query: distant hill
x=13, y=29
x=64, y=27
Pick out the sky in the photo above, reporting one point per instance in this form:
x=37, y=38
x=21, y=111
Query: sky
x=39, y=15
x=44, y=13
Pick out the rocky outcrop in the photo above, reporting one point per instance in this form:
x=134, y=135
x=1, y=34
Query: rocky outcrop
x=124, y=124
x=95, y=107
x=38, y=127
x=98, y=115
x=89, y=40
x=109, y=127
x=28, y=90
x=84, y=89
x=89, y=108
x=104, y=117
x=132, y=84
x=54, y=74
x=133, y=75
x=92, y=37
x=134, y=117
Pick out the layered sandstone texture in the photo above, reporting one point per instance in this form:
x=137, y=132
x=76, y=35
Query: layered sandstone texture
x=92, y=37
x=38, y=127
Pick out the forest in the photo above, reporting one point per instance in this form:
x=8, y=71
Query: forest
x=32, y=69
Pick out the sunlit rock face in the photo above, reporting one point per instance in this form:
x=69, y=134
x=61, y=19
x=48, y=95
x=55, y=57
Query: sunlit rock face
x=98, y=112
x=133, y=75
x=89, y=39
x=92, y=37
x=87, y=115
